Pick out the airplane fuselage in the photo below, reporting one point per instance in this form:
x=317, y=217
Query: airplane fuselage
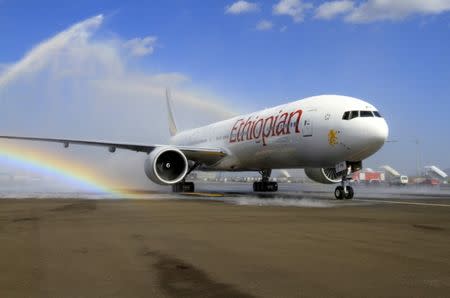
x=308, y=133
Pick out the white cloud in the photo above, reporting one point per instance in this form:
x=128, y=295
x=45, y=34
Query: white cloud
x=283, y=29
x=331, y=9
x=294, y=8
x=264, y=25
x=141, y=46
x=377, y=10
x=241, y=7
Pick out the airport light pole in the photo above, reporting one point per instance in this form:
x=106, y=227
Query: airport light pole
x=417, y=157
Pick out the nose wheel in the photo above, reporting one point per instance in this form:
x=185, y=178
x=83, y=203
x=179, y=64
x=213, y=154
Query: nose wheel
x=342, y=193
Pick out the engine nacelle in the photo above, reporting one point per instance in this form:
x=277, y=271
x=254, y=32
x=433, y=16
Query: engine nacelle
x=166, y=165
x=324, y=176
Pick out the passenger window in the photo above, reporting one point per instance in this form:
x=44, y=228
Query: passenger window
x=377, y=114
x=366, y=114
x=346, y=116
x=354, y=114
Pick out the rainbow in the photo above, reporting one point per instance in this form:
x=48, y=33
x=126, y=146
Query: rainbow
x=52, y=165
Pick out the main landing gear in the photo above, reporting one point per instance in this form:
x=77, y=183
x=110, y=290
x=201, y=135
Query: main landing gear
x=344, y=191
x=265, y=185
x=184, y=186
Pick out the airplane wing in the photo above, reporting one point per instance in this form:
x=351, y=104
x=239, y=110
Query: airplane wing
x=203, y=155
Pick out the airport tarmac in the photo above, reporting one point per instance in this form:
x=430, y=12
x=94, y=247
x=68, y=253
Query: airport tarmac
x=226, y=244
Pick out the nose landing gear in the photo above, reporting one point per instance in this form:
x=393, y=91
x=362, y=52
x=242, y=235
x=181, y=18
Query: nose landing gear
x=265, y=185
x=344, y=191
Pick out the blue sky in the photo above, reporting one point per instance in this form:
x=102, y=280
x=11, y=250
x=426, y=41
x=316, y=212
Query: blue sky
x=255, y=54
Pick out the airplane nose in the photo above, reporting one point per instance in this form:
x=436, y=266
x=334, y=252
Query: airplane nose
x=378, y=133
x=368, y=137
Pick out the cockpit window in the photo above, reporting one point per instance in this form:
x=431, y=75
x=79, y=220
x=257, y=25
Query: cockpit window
x=366, y=114
x=377, y=114
x=346, y=116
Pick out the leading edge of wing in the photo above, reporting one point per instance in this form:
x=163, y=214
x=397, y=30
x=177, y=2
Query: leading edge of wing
x=66, y=142
x=202, y=154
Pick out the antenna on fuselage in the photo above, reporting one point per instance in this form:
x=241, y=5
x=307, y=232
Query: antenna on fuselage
x=172, y=126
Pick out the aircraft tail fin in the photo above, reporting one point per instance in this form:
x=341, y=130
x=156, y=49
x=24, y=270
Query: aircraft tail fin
x=172, y=126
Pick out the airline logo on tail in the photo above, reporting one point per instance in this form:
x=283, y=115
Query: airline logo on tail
x=263, y=128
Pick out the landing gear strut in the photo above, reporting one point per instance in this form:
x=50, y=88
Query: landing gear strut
x=344, y=191
x=265, y=185
x=184, y=186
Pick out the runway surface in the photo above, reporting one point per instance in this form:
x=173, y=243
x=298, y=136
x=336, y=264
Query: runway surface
x=226, y=244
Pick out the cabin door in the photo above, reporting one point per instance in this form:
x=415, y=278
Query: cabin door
x=307, y=128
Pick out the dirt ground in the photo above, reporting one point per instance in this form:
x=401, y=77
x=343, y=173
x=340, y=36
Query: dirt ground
x=177, y=248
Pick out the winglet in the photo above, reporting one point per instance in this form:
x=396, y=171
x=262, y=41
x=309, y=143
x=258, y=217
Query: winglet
x=172, y=125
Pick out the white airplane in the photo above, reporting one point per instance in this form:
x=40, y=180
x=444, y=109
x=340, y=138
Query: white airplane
x=327, y=135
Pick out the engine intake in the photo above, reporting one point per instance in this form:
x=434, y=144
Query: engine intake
x=324, y=176
x=166, y=165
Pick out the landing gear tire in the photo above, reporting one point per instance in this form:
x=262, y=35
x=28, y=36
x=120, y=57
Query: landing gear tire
x=344, y=191
x=339, y=193
x=183, y=187
x=349, y=193
x=265, y=186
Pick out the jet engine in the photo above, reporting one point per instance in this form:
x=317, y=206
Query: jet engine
x=166, y=165
x=324, y=176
